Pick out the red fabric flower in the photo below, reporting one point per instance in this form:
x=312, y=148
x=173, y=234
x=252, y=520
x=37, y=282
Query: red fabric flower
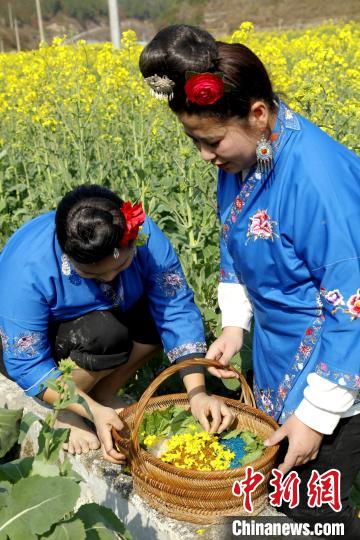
x=204, y=88
x=134, y=218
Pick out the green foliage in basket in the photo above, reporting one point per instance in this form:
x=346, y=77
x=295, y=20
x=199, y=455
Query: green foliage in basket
x=170, y=421
x=158, y=425
x=254, y=447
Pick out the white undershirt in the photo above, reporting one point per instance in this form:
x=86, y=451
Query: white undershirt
x=324, y=402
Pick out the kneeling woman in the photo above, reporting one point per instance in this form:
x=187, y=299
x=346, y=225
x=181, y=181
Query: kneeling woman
x=82, y=283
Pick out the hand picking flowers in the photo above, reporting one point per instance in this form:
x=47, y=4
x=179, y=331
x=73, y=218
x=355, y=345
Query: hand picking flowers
x=176, y=437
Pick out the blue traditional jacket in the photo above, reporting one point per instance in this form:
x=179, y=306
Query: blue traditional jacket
x=38, y=285
x=292, y=237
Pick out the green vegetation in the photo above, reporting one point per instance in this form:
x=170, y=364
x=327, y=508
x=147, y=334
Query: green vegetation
x=38, y=494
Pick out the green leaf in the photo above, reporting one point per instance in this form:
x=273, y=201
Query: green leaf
x=101, y=523
x=35, y=504
x=67, y=530
x=50, y=383
x=17, y=469
x=9, y=429
x=27, y=420
x=248, y=438
x=231, y=434
x=42, y=468
x=251, y=456
x=233, y=384
x=57, y=438
x=67, y=470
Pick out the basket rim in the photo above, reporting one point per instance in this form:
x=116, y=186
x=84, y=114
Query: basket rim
x=257, y=464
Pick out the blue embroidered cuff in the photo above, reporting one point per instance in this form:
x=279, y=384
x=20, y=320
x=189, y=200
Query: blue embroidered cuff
x=338, y=376
x=39, y=385
x=187, y=350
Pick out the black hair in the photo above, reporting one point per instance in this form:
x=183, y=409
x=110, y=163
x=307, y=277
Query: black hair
x=89, y=223
x=180, y=48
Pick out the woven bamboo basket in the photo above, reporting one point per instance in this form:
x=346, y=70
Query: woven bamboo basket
x=195, y=496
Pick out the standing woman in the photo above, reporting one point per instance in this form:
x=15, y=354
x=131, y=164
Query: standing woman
x=81, y=283
x=289, y=208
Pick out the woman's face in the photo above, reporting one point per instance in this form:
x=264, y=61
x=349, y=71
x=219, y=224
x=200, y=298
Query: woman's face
x=230, y=146
x=108, y=268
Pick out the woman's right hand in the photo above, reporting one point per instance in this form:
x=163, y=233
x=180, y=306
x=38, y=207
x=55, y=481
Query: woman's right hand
x=104, y=419
x=224, y=348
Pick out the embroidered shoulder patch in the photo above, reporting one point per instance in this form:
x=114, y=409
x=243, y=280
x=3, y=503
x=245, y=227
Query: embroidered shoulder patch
x=170, y=282
x=261, y=227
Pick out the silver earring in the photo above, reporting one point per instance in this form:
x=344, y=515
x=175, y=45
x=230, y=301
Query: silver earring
x=116, y=253
x=264, y=155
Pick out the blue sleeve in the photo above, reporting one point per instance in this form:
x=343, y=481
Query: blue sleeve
x=171, y=301
x=326, y=238
x=24, y=315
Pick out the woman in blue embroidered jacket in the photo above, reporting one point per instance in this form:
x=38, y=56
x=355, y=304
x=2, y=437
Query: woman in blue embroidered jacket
x=81, y=283
x=289, y=208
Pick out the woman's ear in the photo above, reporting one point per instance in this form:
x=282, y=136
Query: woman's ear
x=259, y=115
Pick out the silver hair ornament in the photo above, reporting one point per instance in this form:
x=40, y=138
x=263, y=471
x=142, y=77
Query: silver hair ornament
x=161, y=87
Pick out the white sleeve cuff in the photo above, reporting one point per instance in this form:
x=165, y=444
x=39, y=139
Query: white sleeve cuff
x=235, y=305
x=323, y=403
x=316, y=418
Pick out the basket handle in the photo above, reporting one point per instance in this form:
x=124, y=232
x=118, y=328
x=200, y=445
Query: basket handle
x=246, y=396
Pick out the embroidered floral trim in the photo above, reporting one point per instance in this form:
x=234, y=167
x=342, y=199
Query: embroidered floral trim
x=239, y=203
x=261, y=226
x=228, y=276
x=69, y=271
x=309, y=340
x=170, y=282
x=264, y=399
x=336, y=299
x=185, y=349
x=116, y=297
x=338, y=376
x=27, y=344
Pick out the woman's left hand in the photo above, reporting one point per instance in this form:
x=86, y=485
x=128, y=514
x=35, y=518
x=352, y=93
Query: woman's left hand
x=304, y=443
x=203, y=406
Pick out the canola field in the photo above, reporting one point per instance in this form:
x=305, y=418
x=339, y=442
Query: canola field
x=81, y=113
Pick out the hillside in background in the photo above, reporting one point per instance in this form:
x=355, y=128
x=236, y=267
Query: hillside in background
x=89, y=17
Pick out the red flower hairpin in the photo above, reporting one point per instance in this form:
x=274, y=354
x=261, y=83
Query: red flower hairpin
x=134, y=218
x=205, y=88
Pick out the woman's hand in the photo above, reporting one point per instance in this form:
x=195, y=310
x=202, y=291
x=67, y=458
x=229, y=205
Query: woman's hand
x=224, y=348
x=104, y=419
x=304, y=443
x=203, y=406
